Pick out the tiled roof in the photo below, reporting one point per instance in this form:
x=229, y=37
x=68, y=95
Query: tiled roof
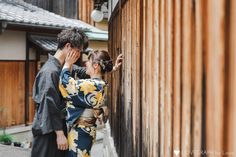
x=20, y=12
x=46, y=43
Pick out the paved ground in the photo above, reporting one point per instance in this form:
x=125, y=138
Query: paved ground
x=10, y=151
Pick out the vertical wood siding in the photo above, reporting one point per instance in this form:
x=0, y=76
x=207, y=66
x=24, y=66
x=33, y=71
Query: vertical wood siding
x=12, y=93
x=175, y=93
x=85, y=8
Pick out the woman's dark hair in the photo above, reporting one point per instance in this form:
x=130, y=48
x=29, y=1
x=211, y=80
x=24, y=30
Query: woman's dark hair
x=103, y=59
x=75, y=36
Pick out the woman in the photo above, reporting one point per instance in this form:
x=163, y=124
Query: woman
x=85, y=99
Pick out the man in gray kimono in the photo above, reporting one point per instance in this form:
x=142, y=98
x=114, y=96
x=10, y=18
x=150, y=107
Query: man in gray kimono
x=49, y=126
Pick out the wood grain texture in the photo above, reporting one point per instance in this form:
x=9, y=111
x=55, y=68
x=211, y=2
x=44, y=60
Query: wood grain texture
x=12, y=100
x=215, y=77
x=85, y=8
x=177, y=80
x=197, y=80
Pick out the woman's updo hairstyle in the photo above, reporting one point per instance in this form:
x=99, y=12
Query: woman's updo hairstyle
x=103, y=59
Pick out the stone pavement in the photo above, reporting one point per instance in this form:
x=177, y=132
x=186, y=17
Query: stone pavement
x=11, y=151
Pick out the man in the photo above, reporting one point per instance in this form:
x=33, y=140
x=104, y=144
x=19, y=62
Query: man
x=49, y=126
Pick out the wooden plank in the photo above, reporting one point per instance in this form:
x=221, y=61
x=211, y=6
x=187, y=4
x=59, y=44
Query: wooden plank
x=80, y=9
x=177, y=80
x=124, y=83
x=31, y=82
x=231, y=121
x=215, y=76
x=149, y=89
x=169, y=78
x=128, y=81
x=145, y=111
x=142, y=101
x=197, y=82
x=134, y=77
x=156, y=73
x=12, y=81
x=137, y=80
x=21, y=95
x=91, y=9
x=186, y=79
x=87, y=11
x=84, y=10
x=162, y=77
x=233, y=76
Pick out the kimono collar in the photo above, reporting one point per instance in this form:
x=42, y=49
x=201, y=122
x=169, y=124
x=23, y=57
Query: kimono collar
x=54, y=60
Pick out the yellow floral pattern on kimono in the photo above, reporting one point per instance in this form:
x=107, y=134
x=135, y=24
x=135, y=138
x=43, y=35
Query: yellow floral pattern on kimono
x=72, y=135
x=87, y=86
x=80, y=94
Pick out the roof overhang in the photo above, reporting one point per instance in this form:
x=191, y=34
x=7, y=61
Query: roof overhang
x=47, y=43
x=32, y=28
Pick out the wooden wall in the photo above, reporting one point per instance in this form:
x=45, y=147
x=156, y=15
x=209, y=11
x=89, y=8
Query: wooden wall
x=175, y=94
x=76, y=9
x=66, y=8
x=12, y=93
x=85, y=8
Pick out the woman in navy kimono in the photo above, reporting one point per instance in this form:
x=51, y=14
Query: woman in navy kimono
x=85, y=99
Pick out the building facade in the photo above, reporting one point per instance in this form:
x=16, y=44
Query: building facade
x=27, y=34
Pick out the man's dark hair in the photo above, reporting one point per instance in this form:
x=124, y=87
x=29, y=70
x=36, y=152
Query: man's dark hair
x=75, y=36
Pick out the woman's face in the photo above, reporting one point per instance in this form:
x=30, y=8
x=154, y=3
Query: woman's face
x=89, y=67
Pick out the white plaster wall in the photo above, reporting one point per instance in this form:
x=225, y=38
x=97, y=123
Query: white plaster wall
x=12, y=45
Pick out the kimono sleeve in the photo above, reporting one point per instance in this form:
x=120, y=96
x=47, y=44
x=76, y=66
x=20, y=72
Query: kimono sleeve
x=47, y=96
x=79, y=72
x=54, y=102
x=82, y=93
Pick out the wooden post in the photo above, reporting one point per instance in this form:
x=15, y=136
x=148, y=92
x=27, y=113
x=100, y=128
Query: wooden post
x=143, y=75
x=177, y=80
x=197, y=81
x=169, y=78
x=215, y=77
x=186, y=79
x=231, y=136
x=162, y=77
x=156, y=74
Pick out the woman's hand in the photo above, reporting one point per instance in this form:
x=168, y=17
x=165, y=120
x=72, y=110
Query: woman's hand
x=118, y=62
x=71, y=58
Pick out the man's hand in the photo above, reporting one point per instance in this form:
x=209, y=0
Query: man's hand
x=118, y=62
x=62, y=143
